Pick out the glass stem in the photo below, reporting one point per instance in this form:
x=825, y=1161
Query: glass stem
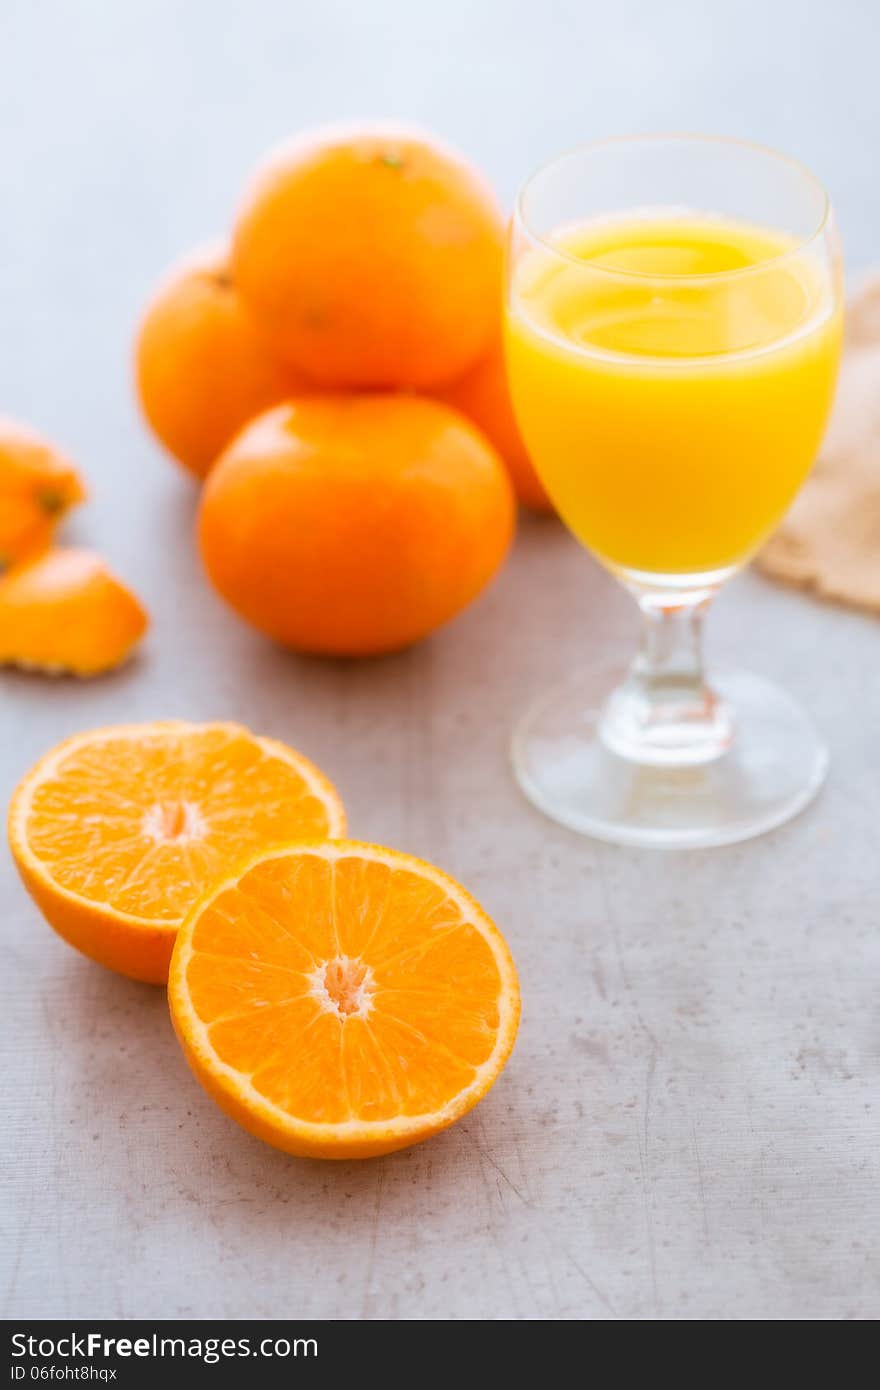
x=665, y=712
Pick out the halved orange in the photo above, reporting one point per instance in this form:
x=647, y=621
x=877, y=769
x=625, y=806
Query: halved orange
x=118, y=832
x=341, y=1000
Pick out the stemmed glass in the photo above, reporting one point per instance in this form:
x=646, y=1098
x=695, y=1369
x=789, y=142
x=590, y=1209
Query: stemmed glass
x=672, y=334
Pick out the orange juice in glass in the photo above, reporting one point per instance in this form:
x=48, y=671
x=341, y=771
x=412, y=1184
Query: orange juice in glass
x=672, y=333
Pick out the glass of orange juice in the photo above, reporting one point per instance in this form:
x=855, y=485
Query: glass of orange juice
x=673, y=326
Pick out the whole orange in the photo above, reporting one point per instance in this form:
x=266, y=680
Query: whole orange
x=203, y=367
x=353, y=524
x=484, y=395
x=372, y=255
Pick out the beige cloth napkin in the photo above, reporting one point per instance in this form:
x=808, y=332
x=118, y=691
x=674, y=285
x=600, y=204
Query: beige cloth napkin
x=829, y=541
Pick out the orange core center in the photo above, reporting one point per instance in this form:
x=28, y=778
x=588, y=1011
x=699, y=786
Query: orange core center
x=173, y=821
x=345, y=985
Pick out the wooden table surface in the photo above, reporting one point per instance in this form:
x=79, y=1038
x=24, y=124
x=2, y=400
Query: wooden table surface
x=688, y=1126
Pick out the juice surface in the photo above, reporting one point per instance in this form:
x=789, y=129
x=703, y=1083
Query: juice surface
x=671, y=408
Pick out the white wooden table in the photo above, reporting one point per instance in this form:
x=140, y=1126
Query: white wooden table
x=688, y=1127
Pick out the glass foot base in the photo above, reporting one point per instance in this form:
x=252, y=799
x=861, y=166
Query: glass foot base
x=773, y=768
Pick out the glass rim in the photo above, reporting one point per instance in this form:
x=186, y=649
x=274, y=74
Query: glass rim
x=521, y=219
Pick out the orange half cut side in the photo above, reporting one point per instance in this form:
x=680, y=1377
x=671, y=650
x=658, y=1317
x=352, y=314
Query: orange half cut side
x=118, y=832
x=341, y=1000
